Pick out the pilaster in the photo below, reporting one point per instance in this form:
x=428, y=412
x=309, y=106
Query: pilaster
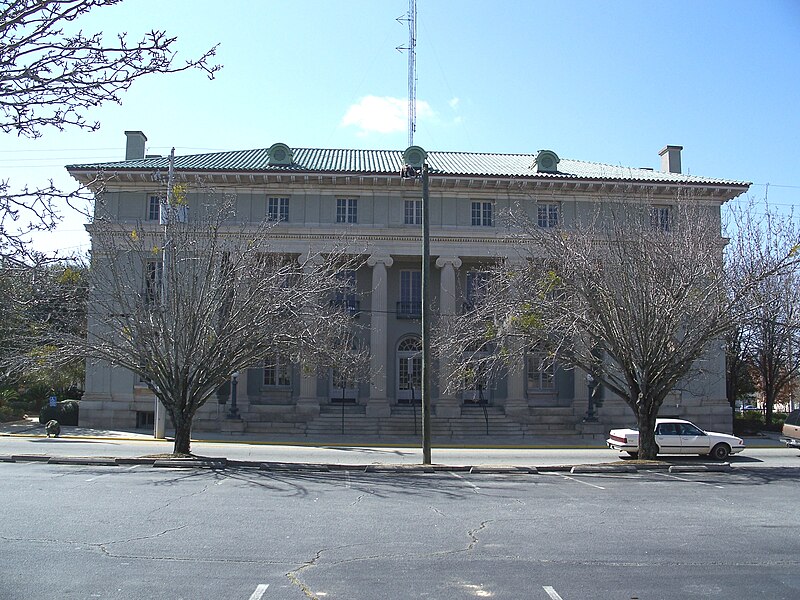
x=447, y=405
x=378, y=403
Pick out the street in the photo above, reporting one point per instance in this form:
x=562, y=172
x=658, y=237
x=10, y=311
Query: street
x=133, y=532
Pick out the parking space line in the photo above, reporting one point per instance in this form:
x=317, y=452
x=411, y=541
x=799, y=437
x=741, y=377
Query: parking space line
x=474, y=487
x=551, y=592
x=671, y=476
x=107, y=474
x=260, y=589
x=583, y=482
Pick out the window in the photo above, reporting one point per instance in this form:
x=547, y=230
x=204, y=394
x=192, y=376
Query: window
x=276, y=370
x=153, y=275
x=660, y=217
x=347, y=210
x=410, y=305
x=278, y=209
x=154, y=208
x=483, y=214
x=343, y=390
x=477, y=288
x=145, y=419
x=346, y=294
x=409, y=371
x=540, y=371
x=547, y=214
x=476, y=380
x=413, y=212
x=667, y=429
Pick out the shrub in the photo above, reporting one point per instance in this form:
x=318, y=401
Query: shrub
x=8, y=414
x=9, y=409
x=66, y=413
x=753, y=422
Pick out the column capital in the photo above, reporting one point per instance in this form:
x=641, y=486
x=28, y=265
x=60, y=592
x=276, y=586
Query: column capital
x=442, y=261
x=374, y=259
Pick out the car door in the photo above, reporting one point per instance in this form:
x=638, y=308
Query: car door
x=667, y=438
x=693, y=439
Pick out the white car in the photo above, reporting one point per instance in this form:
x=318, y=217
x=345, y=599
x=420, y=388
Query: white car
x=676, y=436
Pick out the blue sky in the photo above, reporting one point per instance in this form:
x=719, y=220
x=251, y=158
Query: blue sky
x=610, y=82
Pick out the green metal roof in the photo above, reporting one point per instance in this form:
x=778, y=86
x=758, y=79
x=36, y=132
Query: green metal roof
x=389, y=162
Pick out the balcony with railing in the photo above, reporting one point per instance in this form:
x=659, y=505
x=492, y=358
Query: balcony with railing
x=408, y=309
x=349, y=303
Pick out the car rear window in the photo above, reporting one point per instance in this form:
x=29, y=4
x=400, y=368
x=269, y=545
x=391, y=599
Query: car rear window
x=793, y=418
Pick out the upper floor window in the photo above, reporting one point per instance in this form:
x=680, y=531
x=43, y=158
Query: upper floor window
x=347, y=210
x=153, y=276
x=547, y=214
x=276, y=370
x=278, y=209
x=483, y=214
x=660, y=217
x=346, y=295
x=154, y=208
x=410, y=305
x=477, y=288
x=413, y=212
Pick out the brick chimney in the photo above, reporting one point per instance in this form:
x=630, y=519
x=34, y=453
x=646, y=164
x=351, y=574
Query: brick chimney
x=671, y=159
x=134, y=146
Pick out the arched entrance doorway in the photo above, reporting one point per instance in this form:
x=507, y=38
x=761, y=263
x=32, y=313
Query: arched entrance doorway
x=409, y=371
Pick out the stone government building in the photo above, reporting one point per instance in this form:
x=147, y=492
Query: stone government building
x=317, y=196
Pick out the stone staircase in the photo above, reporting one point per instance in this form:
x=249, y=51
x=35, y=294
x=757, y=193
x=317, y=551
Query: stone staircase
x=273, y=418
x=351, y=420
x=551, y=420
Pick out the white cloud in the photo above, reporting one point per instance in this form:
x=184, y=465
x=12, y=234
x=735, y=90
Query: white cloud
x=454, y=102
x=374, y=114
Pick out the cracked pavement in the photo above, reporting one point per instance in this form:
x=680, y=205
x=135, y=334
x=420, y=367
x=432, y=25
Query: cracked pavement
x=140, y=533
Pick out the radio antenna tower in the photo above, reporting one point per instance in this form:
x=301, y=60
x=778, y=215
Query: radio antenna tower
x=411, y=48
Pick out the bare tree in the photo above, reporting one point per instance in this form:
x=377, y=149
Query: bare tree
x=52, y=297
x=770, y=329
x=633, y=297
x=51, y=75
x=186, y=309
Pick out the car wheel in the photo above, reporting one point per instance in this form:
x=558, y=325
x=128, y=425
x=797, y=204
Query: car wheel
x=633, y=454
x=720, y=451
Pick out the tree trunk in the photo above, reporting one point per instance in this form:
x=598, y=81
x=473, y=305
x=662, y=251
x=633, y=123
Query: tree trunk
x=183, y=431
x=648, y=449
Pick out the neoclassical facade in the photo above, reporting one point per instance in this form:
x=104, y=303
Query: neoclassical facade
x=319, y=197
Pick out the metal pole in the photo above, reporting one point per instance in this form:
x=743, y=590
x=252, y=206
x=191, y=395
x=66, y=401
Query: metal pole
x=426, y=308
x=234, y=412
x=160, y=416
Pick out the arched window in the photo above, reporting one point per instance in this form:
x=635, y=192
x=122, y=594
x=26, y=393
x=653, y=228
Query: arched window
x=409, y=370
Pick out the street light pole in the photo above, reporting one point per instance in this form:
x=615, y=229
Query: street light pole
x=415, y=158
x=165, y=219
x=426, y=318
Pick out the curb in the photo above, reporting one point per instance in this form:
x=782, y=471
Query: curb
x=720, y=468
x=284, y=467
x=603, y=469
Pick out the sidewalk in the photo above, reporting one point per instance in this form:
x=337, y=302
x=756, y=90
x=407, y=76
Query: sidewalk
x=31, y=427
x=26, y=441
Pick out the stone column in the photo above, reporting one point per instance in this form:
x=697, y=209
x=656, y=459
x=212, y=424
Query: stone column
x=378, y=404
x=308, y=401
x=516, y=402
x=447, y=404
